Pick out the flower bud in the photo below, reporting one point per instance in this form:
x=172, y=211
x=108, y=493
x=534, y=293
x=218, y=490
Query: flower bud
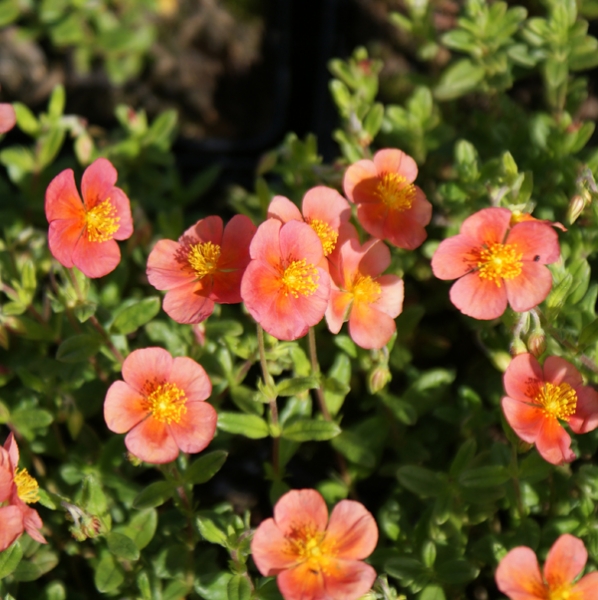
x=378, y=378
x=536, y=343
x=576, y=206
x=517, y=347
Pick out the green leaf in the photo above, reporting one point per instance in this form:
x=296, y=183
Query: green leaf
x=10, y=558
x=19, y=161
x=209, y=528
x=296, y=386
x=588, y=335
x=134, y=316
x=373, y=120
x=223, y=327
x=459, y=79
x=304, y=430
x=421, y=481
x=464, y=456
x=155, y=494
x=9, y=11
x=57, y=101
x=355, y=449
x=48, y=147
x=238, y=588
x=141, y=528
x=250, y=426
x=27, y=420
x=555, y=72
x=457, y=571
x=432, y=592
x=484, y=477
x=109, y=575
x=78, y=348
x=39, y=564
x=26, y=120
x=175, y=590
x=404, y=568
x=162, y=130
x=122, y=546
x=205, y=467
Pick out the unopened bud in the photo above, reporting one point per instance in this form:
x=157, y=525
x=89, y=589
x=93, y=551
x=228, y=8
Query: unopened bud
x=378, y=378
x=576, y=206
x=517, y=347
x=536, y=343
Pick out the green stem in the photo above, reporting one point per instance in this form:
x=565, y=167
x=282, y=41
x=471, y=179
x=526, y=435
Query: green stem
x=516, y=485
x=315, y=367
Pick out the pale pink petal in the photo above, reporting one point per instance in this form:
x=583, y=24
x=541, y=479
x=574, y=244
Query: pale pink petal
x=146, y=368
x=554, y=443
x=313, y=307
x=391, y=300
x=401, y=229
x=478, y=298
x=270, y=550
x=536, y=240
x=63, y=236
x=302, y=583
x=301, y=508
x=11, y=525
x=6, y=475
x=123, y=407
x=121, y=202
x=205, y=230
x=196, y=428
x=421, y=209
x=284, y=210
x=530, y=287
x=525, y=419
x=189, y=303
x=455, y=257
x=10, y=445
x=349, y=579
x=260, y=287
x=353, y=530
x=96, y=259
x=152, y=442
x=585, y=418
x=282, y=318
x=557, y=370
x=360, y=181
x=63, y=200
x=8, y=117
x=375, y=258
x=372, y=216
x=337, y=310
x=585, y=588
x=391, y=160
x=565, y=561
x=168, y=266
x=265, y=245
x=236, y=240
x=518, y=575
x=191, y=377
x=299, y=241
x=487, y=226
x=368, y=327
x=97, y=182
x=327, y=205
x=523, y=378
x=33, y=523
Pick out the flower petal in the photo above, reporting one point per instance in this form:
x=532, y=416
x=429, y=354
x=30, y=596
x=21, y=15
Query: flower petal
x=523, y=378
x=167, y=265
x=63, y=200
x=374, y=257
x=265, y=245
x=189, y=303
x=565, y=561
x=97, y=182
x=530, y=287
x=391, y=300
x=299, y=241
x=585, y=418
x=353, y=530
x=146, y=367
x=260, y=286
x=122, y=204
x=401, y=229
x=10, y=445
x=518, y=575
x=63, y=236
x=123, y=407
x=11, y=525
x=302, y=583
x=301, y=508
x=585, y=588
x=537, y=241
x=360, y=181
x=554, y=443
x=478, y=298
x=327, y=205
x=152, y=442
x=8, y=117
x=391, y=160
x=32, y=523
x=205, y=230
x=368, y=327
x=526, y=420
x=337, y=310
x=487, y=226
x=196, y=428
x=454, y=257
x=558, y=370
x=191, y=377
x=96, y=259
x=284, y=210
x=270, y=550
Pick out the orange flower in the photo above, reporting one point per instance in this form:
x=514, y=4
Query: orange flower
x=316, y=558
x=84, y=233
x=359, y=294
x=8, y=118
x=161, y=404
x=389, y=205
x=518, y=574
x=324, y=210
x=284, y=287
x=496, y=263
x=17, y=490
x=205, y=266
x=539, y=397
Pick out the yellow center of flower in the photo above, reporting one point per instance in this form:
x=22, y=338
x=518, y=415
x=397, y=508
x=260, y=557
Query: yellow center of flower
x=366, y=290
x=203, y=258
x=558, y=401
x=499, y=261
x=326, y=234
x=300, y=278
x=395, y=191
x=562, y=593
x=166, y=403
x=27, y=488
x=311, y=546
x=101, y=222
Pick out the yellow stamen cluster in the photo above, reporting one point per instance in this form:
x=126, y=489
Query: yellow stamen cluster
x=558, y=401
x=562, y=593
x=203, y=258
x=101, y=222
x=311, y=546
x=326, y=234
x=395, y=191
x=166, y=403
x=300, y=278
x=366, y=290
x=499, y=261
x=27, y=488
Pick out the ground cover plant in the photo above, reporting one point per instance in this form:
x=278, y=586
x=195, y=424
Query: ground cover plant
x=373, y=377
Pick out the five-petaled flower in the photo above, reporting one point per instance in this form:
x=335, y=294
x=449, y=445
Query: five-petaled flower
x=161, y=404
x=389, y=205
x=17, y=490
x=285, y=288
x=313, y=557
x=205, y=266
x=539, y=397
x=324, y=210
x=518, y=573
x=84, y=233
x=495, y=263
x=359, y=294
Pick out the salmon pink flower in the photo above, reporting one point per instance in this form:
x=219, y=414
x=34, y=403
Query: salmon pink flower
x=8, y=117
x=539, y=397
x=205, y=266
x=17, y=490
x=161, y=404
x=316, y=558
x=284, y=287
x=324, y=210
x=518, y=574
x=496, y=263
x=389, y=205
x=359, y=294
x=84, y=233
